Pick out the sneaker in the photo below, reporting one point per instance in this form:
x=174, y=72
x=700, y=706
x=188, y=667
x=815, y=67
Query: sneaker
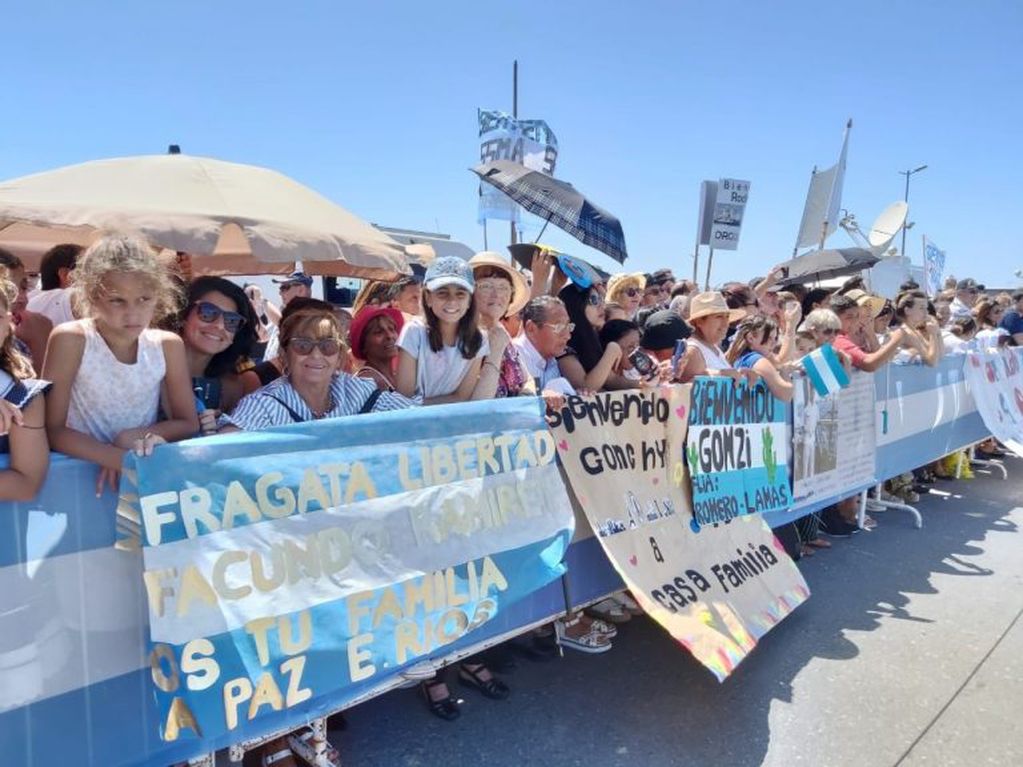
x=910, y=496
x=875, y=508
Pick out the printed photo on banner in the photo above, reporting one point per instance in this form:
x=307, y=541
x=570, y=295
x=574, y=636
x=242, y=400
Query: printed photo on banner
x=737, y=451
x=716, y=589
x=834, y=446
x=281, y=576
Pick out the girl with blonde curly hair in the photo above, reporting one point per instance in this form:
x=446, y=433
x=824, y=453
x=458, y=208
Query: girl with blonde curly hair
x=110, y=368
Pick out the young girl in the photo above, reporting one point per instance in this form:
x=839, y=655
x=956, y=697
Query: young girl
x=753, y=348
x=218, y=326
x=108, y=369
x=448, y=359
x=21, y=410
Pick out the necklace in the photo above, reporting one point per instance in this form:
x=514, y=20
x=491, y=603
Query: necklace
x=318, y=414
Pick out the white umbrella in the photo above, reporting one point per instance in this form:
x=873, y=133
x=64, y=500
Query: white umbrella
x=231, y=218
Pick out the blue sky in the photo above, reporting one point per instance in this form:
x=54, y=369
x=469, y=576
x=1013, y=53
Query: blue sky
x=374, y=105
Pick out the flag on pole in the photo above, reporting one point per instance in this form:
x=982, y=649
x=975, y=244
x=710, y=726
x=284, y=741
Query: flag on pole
x=823, y=201
x=528, y=142
x=934, y=267
x=825, y=370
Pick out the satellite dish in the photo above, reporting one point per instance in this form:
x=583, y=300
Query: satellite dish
x=886, y=226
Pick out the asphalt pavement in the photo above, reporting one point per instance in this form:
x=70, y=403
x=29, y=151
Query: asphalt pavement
x=909, y=652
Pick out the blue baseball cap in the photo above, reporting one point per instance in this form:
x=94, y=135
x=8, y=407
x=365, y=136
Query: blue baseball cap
x=449, y=270
x=296, y=278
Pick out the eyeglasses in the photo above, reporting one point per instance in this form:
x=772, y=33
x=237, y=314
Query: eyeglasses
x=289, y=285
x=500, y=287
x=828, y=331
x=594, y=298
x=560, y=327
x=303, y=347
x=209, y=313
x=632, y=292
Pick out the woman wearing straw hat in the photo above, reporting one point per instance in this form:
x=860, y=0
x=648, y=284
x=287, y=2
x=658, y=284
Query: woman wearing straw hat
x=710, y=317
x=501, y=292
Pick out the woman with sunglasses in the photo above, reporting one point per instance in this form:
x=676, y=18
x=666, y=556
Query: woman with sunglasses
x=626, y=290
x=587, y=364
x=218, y=327
x=313, y=385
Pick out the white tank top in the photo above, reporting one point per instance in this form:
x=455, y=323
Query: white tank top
x=109, y=396
x=713, y=359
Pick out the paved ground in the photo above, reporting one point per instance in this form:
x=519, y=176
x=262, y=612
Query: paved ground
x=909, y=652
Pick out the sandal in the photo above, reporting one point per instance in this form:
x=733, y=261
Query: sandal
x=313, y=749
x=819, y=543
x=609, y=610
x=806, y=551
x=277, y=752
x=590, y=642
x=444, y=708
x=492, y=688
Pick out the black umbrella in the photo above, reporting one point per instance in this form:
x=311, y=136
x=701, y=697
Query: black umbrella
x=558, y=203
x=822, y=264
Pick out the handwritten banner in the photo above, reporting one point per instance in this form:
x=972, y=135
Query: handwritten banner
x=834, y=444
x=997, y=386
x=313, y=561
x=716, y=589
x=737, y=449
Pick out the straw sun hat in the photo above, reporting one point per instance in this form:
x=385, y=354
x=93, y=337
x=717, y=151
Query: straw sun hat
x=520, y=290
x=706, y=304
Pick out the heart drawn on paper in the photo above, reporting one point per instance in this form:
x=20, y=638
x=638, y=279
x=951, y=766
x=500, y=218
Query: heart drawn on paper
x=633, y=560
x=657, y=480
x=680, y=411
x=563, y=446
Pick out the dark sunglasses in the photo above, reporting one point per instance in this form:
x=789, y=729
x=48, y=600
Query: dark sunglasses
x=594, y=298
x=304, y=346
x=209, y=313
x=632, y=292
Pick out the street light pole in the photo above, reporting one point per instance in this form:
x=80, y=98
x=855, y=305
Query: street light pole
x=907, y=174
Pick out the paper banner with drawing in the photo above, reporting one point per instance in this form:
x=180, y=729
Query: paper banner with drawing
x=834, y=446
x=312, y=562
x=737, y=450
x=997, y=386
x=716, y=589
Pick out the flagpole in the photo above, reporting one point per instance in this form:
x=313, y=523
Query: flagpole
x=515, y=114
x=710, y=261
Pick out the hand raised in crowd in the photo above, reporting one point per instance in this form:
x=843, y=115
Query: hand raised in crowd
x=558, y=281
x=10, y=415
x=498, y=339
x=793, y=313
x=540, y=268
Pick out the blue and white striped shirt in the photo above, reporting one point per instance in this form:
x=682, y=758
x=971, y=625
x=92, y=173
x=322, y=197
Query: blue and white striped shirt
x=270, y=405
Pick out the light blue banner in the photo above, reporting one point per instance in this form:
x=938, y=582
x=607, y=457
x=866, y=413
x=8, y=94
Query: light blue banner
x=736, y=451
x=304, y=565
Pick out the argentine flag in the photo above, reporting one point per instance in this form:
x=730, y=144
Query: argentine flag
x=825, y=370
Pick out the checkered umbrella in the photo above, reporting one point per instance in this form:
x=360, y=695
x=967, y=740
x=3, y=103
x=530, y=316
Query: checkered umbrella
x=558, y=203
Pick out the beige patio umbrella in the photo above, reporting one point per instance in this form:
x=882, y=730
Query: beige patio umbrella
x=231, y=218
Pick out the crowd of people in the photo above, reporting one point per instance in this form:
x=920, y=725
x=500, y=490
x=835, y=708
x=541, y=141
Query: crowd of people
x=129, y=351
